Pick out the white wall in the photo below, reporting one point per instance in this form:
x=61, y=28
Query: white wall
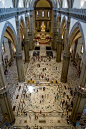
x=20, y=5
x=57, y=4
x=79, y=4
x=6, y=4
x=65, y=5
x=27, y=3
x=72, y=22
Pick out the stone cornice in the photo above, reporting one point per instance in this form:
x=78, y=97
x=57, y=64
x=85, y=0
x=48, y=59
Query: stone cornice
x=8, y=13
x=78, y=14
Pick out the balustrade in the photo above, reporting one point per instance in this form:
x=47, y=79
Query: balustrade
x=7, y=13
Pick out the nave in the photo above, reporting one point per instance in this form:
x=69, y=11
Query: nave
x=43, y=100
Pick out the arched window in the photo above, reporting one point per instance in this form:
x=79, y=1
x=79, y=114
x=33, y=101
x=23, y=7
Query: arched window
x=42, y=13
x=48, y=14
x=37, y=13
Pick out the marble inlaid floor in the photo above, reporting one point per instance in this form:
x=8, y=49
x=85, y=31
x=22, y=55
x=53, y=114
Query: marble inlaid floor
x=44, y=108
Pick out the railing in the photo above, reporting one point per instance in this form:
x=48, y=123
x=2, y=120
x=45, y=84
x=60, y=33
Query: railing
x=7, y=13
x=79, y=14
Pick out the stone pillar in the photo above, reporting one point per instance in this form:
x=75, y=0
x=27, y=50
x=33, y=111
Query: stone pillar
x=19, y=53
x=55, y=34
x=66, y=56
x=78, y=105
x=6, y=107
x=30, y=40
x=30, y=34
x=26, y=41
x=59, y=50
x=82, y=80
x=55, y=40
x=75, y=47
x=5, y=103
x=51, y=24
x=11, y=51
x=2, y=76
x=34, y=23
x=59, y=43
x=66, y=60
x=19, y=63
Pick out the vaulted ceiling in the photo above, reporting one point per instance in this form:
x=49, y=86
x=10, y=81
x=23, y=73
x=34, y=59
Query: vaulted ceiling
x=53, y=3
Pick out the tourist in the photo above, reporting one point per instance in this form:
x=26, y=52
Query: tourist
x=35, y=117
x=30, y=117
x=35, y=126
x=27, y=126
x=40, y=111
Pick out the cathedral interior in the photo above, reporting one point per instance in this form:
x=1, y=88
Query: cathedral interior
x=42, y=64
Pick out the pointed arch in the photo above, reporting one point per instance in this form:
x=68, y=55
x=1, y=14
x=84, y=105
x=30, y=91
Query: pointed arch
x=8, y=26
x=22, y=22
x=64, y=22
x=77, y=26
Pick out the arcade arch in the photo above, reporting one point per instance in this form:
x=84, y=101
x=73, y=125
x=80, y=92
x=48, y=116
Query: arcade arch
x=63, y=32
x=22, y=29
x=22, y=35
x=8, y=32
x=77, y=46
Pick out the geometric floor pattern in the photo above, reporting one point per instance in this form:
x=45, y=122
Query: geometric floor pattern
x=41, y=104
x=44, y=100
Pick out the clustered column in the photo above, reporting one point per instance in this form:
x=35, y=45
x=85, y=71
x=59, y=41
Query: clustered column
x=80, y=98
x=59, y=43
x=19, y=53
x=26, y=41
x=75, y=47
x=5, y=103
x=30, y=33
x=55, y=34
x=11, y=51
x=78, y=105
x=66, y=56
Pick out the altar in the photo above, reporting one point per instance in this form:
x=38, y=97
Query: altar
x=43, y=33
